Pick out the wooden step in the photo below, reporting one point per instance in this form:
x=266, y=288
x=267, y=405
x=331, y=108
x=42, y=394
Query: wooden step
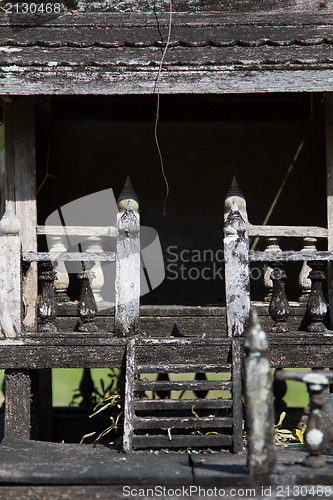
x=192, y=441
x=182, y=368
x=182, y=404
x=188, y=385
x=181, y=422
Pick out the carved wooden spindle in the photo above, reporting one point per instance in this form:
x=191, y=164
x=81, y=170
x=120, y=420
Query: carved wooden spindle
x=259, y=402
x=47, y=306
x=94, y=244
x=315, y=435
x=56, y=244
x=279, y=306
x=87, y=306
x=309, y=245
x=272, y=246
x=317, y=306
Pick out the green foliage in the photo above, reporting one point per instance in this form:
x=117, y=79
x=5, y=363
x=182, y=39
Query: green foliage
x=283, y=436
x=107, y=402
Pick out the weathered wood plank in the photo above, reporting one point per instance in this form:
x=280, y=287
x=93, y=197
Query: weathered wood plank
x=69, y=256
x=181, y=422
x=199, y=6
x=289, y=256
x=183, y=80
x=181, y=368
x=176, y=441
x=217, y=385
x=290, y=350
x=18, y=398
x=265, y=57
x=129, y=396
x=182, y=404
x=104, y=36
x=288, y=231
x=148, y=18
x=127, y=286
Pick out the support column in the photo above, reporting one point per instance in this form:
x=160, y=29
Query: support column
x=20, y=197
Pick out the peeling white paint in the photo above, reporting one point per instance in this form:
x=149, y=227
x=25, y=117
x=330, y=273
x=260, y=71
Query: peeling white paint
x=12, y=68
x=52, y=63
x=314, y=437
x=10, y=49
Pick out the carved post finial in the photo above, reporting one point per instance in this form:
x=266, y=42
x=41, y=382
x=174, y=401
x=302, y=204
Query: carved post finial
x=128, y=195
x=259, y=402
x=235, y=195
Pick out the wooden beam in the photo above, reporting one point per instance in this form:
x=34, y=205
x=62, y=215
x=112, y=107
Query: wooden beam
x=288, y=231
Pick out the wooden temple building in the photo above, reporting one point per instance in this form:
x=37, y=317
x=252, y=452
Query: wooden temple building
x=246, y=89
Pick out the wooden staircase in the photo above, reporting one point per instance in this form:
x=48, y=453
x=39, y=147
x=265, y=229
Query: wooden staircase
x=182, y=423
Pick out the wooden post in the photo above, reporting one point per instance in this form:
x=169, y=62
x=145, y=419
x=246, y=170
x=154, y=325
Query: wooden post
x=129, y=395
x=127, y=302
x=259, y=403
x=329, y=172
x=20, y=188
x=237, y=405
x=10, y=274
x=18, y=395
x=20, y=199
x=237, y=274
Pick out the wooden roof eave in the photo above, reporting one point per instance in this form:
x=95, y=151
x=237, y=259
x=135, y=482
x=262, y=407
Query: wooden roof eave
x=210, y=52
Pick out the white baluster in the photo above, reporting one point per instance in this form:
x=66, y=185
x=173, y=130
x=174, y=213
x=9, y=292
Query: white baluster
x=57, y=244
x=309, y=245
x=272, y=246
